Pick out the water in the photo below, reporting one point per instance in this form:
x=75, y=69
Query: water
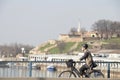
x=21, y=69
x=24, y=72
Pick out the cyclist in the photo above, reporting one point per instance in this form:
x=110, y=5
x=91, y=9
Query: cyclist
x=89, y=63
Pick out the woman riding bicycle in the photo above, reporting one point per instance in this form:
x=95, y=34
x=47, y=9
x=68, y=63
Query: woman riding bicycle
x=89, y=63
x=88, y=66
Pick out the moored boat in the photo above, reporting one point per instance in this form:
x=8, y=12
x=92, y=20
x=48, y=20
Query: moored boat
x=51, y=68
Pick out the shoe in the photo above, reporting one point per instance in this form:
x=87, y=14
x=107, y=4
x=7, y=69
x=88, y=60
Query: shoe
x=86, y=76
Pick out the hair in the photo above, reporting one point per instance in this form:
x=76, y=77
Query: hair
x=85, y=46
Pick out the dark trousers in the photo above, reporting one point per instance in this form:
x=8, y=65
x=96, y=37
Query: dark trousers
x=83, y=68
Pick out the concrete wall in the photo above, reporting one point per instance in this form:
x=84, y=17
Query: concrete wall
x=52, y=79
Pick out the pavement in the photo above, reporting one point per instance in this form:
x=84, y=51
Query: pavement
x=55, y=79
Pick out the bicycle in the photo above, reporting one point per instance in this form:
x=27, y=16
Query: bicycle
x=74, y=73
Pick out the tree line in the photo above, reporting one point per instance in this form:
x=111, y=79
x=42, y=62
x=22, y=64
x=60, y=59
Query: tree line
x=107, y=28
x=12, y=50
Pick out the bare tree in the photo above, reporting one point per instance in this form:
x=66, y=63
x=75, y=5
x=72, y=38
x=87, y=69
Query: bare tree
x=117, y=28
x=106, y=28
x=73, y=30
x=99, y=27
x=83, y=31
x=13, y=49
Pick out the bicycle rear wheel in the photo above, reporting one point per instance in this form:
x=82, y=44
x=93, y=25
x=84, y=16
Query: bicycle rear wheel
x=96, y=74
x=67, y=74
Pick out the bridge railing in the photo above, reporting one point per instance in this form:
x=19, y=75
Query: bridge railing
x=40, y=68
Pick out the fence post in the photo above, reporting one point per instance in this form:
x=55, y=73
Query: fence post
x=108, y=70
x=30, y=69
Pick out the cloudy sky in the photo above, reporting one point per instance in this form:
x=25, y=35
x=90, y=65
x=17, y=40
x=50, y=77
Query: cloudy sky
x=35, y=21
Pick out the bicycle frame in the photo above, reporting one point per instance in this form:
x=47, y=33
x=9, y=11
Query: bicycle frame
x=75, y=70
x=88, y=73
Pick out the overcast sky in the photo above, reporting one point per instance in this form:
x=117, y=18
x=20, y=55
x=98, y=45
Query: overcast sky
x=35, y=21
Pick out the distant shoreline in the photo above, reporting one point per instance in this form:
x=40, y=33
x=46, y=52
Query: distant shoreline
x=107, y=51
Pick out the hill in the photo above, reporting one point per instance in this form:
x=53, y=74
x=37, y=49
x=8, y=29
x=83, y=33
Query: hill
x=56, y=47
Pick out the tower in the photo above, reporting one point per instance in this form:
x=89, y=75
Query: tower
x=79, y=28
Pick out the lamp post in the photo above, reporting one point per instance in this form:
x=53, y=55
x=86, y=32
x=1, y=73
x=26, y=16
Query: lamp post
x=23, y=51
x=0, y=54
x=11, y=56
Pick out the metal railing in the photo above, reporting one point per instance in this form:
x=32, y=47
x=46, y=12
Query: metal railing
x=40, y=68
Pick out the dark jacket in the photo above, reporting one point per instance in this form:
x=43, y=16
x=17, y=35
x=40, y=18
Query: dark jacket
x=88, y=58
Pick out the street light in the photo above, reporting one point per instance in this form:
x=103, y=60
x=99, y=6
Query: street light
x=11, y=56
x=23, y=51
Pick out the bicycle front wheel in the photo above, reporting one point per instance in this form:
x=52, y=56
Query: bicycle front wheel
x=96, y=74
x=67, y=74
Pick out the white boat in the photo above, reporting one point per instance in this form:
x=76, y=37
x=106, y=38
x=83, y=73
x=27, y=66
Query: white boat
x=51, y=68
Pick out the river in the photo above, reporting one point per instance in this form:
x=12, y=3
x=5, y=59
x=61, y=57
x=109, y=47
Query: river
x=24, y=72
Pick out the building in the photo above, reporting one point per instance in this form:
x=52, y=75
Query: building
x=79, y=36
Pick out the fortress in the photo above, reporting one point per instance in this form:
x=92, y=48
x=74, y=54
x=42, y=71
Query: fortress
x=79, y=36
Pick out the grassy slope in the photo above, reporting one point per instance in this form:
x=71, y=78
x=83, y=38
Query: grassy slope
x=70, y=44
x=46, y=46
x=113, y=40
x=113, y=43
